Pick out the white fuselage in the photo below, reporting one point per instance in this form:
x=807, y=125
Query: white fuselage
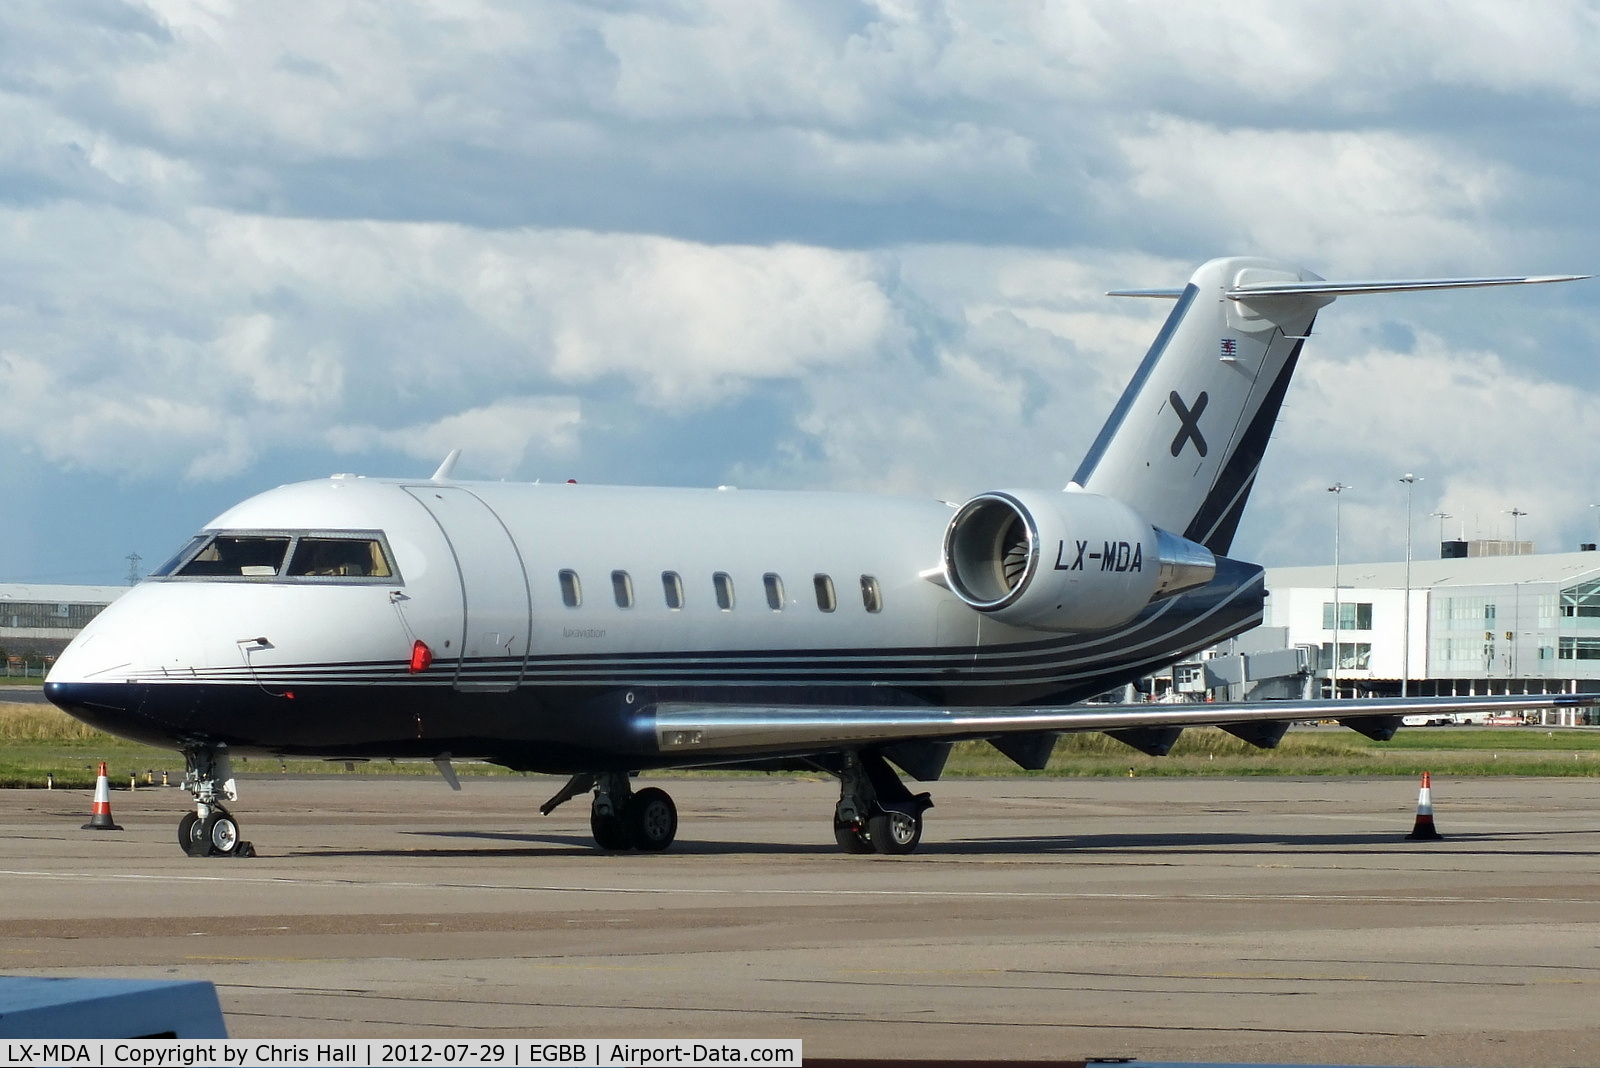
x=546, y=595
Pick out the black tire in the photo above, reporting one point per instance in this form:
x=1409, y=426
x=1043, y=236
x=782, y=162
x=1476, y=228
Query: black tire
x=852, y=838
x=218, y=834
x=189, y=835
x=610, y=832
x=894, y=833
x=652, y=820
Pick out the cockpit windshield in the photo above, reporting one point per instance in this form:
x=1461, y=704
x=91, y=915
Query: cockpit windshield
x=304, y=556
x=239, y=556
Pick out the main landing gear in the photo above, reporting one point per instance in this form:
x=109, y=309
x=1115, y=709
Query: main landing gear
x=210, y=831
x=876, y=813
x=620, y=818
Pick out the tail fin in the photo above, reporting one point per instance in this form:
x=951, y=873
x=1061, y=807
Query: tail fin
x=1183, y=444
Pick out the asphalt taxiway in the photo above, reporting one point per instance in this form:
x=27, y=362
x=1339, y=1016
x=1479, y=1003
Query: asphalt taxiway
x=1171, y=919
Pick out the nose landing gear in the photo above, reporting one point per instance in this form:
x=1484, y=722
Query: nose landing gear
x=210, y=830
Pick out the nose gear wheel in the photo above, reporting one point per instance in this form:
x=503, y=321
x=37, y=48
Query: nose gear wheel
x=210, y=830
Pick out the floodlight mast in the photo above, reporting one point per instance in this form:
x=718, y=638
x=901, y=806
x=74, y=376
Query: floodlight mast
x=1337, y=489
x=1410, y=481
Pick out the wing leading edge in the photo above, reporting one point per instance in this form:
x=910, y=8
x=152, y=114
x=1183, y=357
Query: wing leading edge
x=723, y=731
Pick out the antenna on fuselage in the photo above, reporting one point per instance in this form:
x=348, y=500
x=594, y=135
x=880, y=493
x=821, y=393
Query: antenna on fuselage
x=446, y=468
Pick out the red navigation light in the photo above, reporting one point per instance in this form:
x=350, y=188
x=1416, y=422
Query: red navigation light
x=421, y=656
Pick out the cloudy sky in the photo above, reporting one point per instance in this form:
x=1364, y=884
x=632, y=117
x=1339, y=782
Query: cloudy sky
x=821, y=244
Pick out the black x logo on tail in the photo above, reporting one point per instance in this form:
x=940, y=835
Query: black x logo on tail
x=1189, y=420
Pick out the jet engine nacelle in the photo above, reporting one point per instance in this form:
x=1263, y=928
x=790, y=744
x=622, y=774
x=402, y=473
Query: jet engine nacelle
x=1066, y=561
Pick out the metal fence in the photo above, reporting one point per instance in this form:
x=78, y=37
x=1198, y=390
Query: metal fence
x=28, y=667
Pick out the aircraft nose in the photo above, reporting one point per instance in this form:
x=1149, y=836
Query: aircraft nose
x=151, y=628
x=103, y=655
x=103, y=676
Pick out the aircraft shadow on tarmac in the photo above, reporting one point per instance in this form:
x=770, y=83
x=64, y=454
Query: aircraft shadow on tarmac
x=1156, y=843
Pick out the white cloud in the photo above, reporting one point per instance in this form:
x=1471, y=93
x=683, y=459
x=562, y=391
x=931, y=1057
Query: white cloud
x=495, y=439
x=1369, y=201
x=278, y=327
x=101, y=430
x=311, y=377
x=695, y=322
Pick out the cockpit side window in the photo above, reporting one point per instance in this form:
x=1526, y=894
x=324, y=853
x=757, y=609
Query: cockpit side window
x=310, y=556
x=323, y=557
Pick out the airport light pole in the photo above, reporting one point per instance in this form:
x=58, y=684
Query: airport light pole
x=1337, y=489
x=1441, y=517
x=1515, y=514
x=1405, y=642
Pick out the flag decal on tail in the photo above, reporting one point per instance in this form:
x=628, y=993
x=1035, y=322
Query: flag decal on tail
x=1189, y=423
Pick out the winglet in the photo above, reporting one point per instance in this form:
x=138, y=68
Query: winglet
x=447, y=468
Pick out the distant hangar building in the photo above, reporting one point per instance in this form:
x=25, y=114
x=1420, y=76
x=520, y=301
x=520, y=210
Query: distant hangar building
x=39, y=620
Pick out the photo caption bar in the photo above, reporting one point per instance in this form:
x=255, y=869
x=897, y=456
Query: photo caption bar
x=371, y=1053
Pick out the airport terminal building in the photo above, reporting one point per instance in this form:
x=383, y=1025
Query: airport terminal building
x=1457, y=626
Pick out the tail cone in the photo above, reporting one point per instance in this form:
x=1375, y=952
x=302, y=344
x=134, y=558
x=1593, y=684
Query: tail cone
x=100, y=818
x=1424, y=830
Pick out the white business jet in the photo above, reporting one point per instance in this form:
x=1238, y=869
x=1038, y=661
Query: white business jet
x=602, y=631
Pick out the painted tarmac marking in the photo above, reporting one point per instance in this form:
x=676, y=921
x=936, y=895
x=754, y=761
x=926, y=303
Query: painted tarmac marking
x=899, y=892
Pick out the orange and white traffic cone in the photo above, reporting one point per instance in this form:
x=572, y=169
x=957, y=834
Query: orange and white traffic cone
x=1424, y=830
x=100, y=819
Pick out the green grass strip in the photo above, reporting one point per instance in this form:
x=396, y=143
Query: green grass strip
x=39, y=741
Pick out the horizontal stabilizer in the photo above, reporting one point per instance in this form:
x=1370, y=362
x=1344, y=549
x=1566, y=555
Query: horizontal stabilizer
x=1252, y=290
x=1164, y=294
x=1249, y=290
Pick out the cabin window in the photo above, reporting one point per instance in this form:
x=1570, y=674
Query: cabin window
x=240, y=556
x=871, y=594
x=723, y=582
x=825, y=597
x=324, y=557
x=774, y=586
x=571, y=589
x=622, y=589
x=672, y=589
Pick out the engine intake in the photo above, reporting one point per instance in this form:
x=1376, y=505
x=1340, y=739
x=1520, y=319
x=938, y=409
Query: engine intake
x=1065, y=561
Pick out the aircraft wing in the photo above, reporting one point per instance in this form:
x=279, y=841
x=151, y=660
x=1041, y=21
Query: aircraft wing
x=720, y=731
